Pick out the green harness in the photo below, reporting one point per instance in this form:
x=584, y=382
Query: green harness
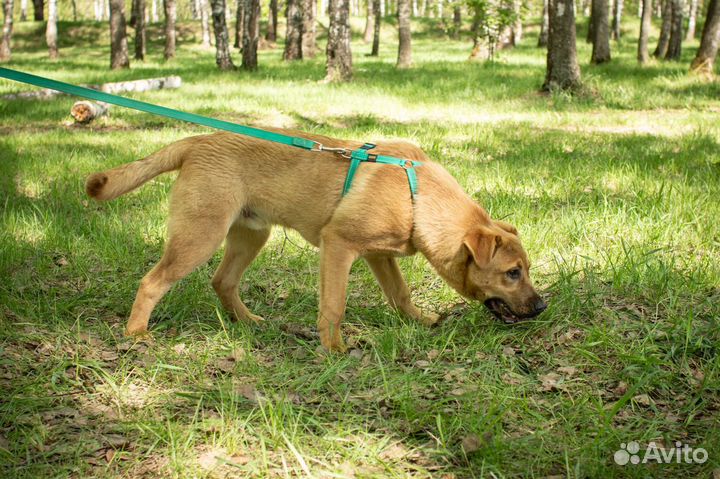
x=361, y=155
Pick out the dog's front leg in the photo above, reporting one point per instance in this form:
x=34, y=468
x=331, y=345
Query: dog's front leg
x=336, y=258
x=388, y=274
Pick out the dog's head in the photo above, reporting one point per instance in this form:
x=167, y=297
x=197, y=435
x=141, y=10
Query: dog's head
x=498, y=273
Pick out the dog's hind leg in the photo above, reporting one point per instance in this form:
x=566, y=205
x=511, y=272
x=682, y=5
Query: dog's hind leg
x=241, y=247
x=388, y=274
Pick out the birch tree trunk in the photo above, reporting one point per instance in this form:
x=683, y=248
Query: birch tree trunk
x=676, y=35
x=516, y=34
x=170, y=34
x=543, y=37
x=369, y=17
x=664, y=38
x=154, y=11
x=23, y=10
x=98, y=10
x=457, y=22
x=118, y=36
x=222, y=39
x=339, y=56
x=251, y=35
x=309, y=38
x=706, y=54
x=140, y=30
x=617, y=17
x=205, y=22
x=239, y=23
x=645, y=25
x=293, y=31
x=271, y=35
x=601, y=32
x=51, y=30
x=692, y=20
x=375, y=51
x=404, y=59
x=563, y=71
x=5, y=51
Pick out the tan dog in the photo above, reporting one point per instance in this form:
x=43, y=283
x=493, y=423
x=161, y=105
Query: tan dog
x=234, y=188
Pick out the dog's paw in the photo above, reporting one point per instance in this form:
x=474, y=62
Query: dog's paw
x=254, y=318
x=138, y=334
x=429, y=319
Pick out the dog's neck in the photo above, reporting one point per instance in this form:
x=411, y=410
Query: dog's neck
x=442, y=221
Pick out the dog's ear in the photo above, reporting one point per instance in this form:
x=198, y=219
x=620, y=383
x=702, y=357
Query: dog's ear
x=481, y=245
x=503, y=225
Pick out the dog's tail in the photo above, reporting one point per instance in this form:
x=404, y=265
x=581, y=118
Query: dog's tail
x=110, y=184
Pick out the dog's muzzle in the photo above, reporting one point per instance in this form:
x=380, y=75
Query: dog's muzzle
x=502, y=311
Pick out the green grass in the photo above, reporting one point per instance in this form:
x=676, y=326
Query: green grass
x=614, y=193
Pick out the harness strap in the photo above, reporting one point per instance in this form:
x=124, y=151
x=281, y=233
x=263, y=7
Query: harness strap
x=356, y=156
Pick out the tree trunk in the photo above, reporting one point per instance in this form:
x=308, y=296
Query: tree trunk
x=706, y=54
x=293, y=32
x=170, y=17
x=692, y=20
x=676, y=33
x=543, y=37
x=664, y=38
x=617, y=17
x=154, y=11
x=457, y=22
x=205, y=21
x=271, y=35
x=195, y=6
x=23, y=10
x=51, y=30
x=591, y=26
x=563, y=71
x=516, y=32
x=404, y=59
x=240, y=23
x=140, y=30
x=309, y=29
x=645, y=25
x=369, y=17
x=222, y=40
x=133, y=14
x=601, y=32
x=98, y=9
x=5, y=51
x=86, y=111
x=376, y=28
x=251, y=35
x=480, y=50
x=339, y=56
x=39, y=10
x=118, y=36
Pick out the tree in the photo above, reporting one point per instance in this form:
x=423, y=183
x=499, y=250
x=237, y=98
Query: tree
x=222, y=39
x=676, y=34
x=516, y=31
x=51, y=30
x=491, y=27
x=140, y=30
x=118, y=36
x=377, y=11
x=706, y=54
x=404, y=59
x=645, y=24
x=664, y=38
x=251, y=34
x=7, y=30
x=543, y=37
x=601, y=32
x=369, y=17
x=457, y=21
x=170, y=17
x=204, y=20
x=39, y=10
x=309, y=42
x=563, y=71
x=617, y=17
x=339, y=56
x=239, y=23
x=23, y=10
x=293, y=32
x=692, y=20
x=271, y=34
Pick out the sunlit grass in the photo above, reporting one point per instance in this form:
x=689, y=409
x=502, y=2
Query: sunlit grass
x=614, y=194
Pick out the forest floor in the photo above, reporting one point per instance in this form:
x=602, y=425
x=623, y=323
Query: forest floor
x=615, y=194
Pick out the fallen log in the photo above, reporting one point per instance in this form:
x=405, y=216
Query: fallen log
x=148, y=84
x=86, y=111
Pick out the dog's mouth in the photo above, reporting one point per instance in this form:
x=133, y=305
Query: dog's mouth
x=502, y=311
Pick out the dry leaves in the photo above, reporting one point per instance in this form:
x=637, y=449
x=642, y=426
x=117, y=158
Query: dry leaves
x=642, y=399
x=551, y=382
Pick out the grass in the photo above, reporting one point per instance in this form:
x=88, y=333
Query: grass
x=614, y=193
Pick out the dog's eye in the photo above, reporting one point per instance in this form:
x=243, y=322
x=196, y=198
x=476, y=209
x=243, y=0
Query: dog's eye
x=513, y=273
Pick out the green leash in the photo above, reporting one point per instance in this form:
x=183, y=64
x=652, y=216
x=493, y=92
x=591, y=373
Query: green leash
x=356, y=156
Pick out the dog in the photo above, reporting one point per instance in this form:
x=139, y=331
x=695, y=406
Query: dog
x=235, y=188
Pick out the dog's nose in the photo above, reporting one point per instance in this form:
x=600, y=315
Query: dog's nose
x=540, y=306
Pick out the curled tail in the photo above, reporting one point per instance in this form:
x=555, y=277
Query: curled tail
x=110, y=184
